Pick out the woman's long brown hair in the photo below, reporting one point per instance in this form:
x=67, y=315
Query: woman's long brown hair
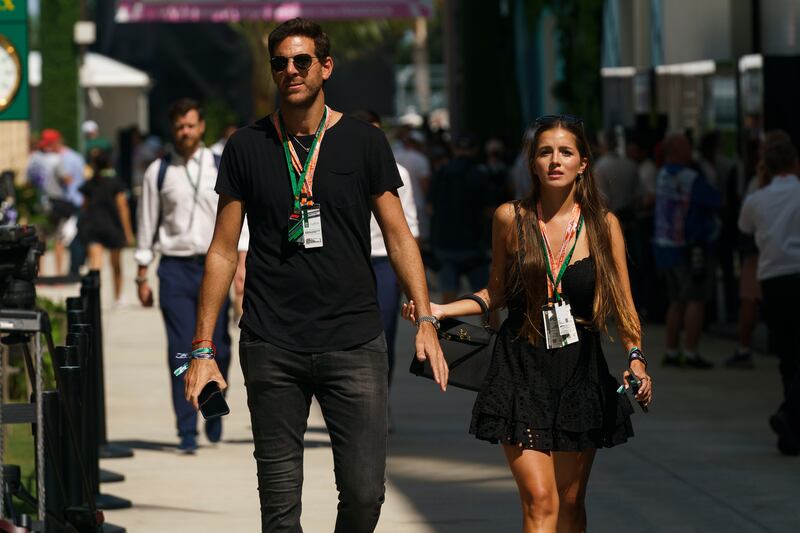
x=527, y=275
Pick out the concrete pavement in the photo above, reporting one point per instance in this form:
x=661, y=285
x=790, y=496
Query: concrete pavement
x=702, y=460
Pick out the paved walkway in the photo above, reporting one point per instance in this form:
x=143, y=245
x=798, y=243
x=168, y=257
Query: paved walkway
x=702, y=460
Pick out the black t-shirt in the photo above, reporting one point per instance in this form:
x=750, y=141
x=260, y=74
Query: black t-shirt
x=319, y=299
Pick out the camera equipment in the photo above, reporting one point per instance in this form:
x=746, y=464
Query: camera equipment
x=20, y=249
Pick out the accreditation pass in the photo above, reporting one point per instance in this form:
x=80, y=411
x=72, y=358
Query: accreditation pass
x=312, y=227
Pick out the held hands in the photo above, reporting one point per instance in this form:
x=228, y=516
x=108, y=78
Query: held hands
x=200, y=373
x=409, y=311
x=427, y=343
x=645, y=394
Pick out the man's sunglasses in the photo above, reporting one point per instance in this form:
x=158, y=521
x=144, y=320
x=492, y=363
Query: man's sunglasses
x=547, y=120
x=301, y=62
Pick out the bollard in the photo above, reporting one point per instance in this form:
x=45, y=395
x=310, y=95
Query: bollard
x=53, y=462
x=90, y=291
x=70, y=376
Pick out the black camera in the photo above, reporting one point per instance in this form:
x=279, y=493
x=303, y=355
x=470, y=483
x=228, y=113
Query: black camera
x=20, y=249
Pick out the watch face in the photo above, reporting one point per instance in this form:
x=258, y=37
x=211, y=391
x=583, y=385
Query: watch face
x=10, y=73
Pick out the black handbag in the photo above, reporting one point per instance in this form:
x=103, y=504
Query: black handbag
x=467, y=349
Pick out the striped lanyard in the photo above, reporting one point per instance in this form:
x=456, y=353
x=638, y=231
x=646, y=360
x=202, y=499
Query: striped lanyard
x=559, y=264
x=301, y=175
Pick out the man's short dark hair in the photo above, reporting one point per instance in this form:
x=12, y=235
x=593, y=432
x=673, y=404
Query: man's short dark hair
x=303, y=28
x=779, y=154
x=183, y=106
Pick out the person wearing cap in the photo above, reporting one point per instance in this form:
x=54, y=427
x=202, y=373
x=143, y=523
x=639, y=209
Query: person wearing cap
x=92, y=141
x=461, y=191
x=61, y=184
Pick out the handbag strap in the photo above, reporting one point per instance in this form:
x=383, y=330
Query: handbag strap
x=484, y=309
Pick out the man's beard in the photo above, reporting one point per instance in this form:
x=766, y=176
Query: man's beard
x=306, y=101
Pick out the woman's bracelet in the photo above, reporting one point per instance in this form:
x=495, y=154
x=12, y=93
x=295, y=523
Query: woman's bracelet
x=636, y=354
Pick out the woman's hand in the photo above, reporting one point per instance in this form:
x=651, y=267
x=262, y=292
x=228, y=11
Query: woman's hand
x=409, y=311
x=645, y=394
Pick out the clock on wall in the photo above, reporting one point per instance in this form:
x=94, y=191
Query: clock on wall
x=10, y=72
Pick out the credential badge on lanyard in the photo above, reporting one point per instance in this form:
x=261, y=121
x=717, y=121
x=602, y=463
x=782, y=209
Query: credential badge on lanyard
x=305, y=217
x=559, y=324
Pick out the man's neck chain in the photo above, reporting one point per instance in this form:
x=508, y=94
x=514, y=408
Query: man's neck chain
x=300, y=144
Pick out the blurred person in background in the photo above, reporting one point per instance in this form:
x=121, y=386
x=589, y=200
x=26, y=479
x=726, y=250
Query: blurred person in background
x=771, y=214
x=229, y=129
x=499, y=172
x=176, y=217
x=410, y=155
x=618, y=180
x=684, y=234
x=106, y=220
x=93, y=143
x=723, y=174
x=386, y=283
x=640, y=247
x=461, y=192
x=749, y=291
x=60, y=171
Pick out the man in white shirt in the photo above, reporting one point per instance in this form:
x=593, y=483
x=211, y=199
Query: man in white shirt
x=385, y=278
x=410, y=156
x=176, y=217
x=772, y=216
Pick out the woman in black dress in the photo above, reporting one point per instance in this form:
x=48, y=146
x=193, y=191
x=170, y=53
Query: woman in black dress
x=548, y=397
x=106, y=220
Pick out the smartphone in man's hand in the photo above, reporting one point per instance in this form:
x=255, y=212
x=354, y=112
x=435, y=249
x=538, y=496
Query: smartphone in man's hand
x=212, y=402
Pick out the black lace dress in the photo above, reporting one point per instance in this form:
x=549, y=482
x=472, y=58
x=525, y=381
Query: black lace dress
x=554, y=400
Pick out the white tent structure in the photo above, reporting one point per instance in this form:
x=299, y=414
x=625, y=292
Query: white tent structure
x=117, y=93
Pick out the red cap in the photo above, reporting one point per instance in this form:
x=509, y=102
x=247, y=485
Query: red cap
x=49, y=137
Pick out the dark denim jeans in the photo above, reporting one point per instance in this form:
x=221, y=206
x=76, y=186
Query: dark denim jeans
x=351, y=388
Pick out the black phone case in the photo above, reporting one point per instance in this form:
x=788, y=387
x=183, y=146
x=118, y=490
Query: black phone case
x=212, y=402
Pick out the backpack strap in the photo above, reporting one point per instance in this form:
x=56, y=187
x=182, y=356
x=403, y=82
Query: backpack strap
x=163, y=165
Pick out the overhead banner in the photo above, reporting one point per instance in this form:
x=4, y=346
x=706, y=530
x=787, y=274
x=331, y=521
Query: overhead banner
x=219, y=11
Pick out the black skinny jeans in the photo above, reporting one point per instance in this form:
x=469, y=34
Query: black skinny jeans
x=351, y=387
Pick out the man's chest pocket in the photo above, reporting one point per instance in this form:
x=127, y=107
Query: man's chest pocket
x=339, y=187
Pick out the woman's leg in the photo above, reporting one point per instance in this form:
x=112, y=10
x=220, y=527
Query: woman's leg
x=572, y=476
x=116, y=266
x=538, y=492
x=95, y=252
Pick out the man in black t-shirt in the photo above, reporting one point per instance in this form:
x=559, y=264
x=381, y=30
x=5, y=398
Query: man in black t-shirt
x=307, y=179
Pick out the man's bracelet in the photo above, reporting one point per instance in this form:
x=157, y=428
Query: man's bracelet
x=141, y=279
x=636, y=354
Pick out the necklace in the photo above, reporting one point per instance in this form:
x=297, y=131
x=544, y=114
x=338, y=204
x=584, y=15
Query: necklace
x=295, y=139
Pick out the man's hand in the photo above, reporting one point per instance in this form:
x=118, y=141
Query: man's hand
x=145, y=294
x=427, y=345
x=200, y=373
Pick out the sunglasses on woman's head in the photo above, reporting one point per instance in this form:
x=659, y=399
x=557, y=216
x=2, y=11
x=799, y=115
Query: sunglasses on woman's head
x=301, y=62
x=546, y=120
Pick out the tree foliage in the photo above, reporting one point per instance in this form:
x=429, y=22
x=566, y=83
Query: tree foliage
x=58, y=93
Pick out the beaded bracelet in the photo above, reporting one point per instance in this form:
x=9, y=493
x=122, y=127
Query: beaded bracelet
x=636, y=354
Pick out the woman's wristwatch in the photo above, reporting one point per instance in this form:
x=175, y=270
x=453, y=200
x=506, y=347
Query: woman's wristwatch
x=636, y=354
